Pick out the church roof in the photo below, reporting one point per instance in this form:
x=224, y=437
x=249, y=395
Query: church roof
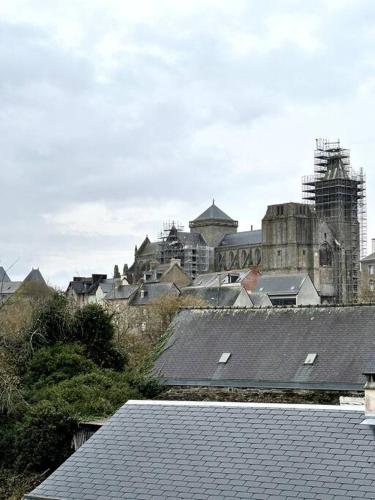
x=213, y=212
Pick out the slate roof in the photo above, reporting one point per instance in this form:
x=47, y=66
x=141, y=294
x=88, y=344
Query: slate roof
x=3, y=275
x=214, y=296
x=158, y=450
x=122, y=292
x=268, y=347
x=242, y=238
x=260, y=299
x=280, y=284
x=191, y=238
x=213, y=213
x=369, y=257
x=212, y=279
x=35, y=276
x=154, y=291
x=9, y=287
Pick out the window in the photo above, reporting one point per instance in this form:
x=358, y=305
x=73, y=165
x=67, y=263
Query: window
x=325, y=255
x=371, y=285
x=143, y=294
x=224, y=357
x=371, y=269
x=310, y=358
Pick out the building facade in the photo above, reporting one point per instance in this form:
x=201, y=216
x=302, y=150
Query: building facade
x=323, y=237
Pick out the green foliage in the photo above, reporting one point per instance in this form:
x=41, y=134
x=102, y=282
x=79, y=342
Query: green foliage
x=52, y=322
x=92, y=395
x=54, y=364
x=44, y=437
x=94, y=329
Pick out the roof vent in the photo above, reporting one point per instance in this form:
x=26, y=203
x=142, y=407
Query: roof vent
x=310, y=358
x=224, y=357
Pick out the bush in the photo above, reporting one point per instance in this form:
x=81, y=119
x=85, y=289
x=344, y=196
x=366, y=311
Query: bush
x=44, y=437
x=54, y=364
x=92, y=395
x=93, y=328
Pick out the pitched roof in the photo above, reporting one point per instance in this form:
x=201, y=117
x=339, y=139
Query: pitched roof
x=155, y=449
x=269, y=346
x=213, y=213
x=35, y=276
x=219, y=278
x=122, y=292
x=191, y=238
x=242, y=238
x=280, y=284
x=260, y=299
x=369, y=257
x=9, y=287
x=153, y=291
x=3, y=275
x=214, y=296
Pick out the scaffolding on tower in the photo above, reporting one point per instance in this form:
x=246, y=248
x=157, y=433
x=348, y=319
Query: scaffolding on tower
x=339, y=196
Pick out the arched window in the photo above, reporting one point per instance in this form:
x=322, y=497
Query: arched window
x=371, y=285
x=244, y=258
x=325, y=255
x=258, y=257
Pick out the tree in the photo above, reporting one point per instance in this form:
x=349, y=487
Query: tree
x=116, y=272
x=94, y=329
x=44, y=437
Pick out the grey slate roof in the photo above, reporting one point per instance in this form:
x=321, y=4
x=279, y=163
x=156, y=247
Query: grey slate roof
x=268, y=347
x=260, y=299
x=153, y=291
x=191, y=238
x=9, y=287
x=122, y=292
x=213, y=212
x=280, y=284
x=369, y=258
x=3, y=275
x=35, y=276
x=220, y=451
x=242, y=238
x=214, y=296
x=213, y=279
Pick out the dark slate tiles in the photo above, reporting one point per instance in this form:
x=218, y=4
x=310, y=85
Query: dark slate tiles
x=268, y=347
x=224, y=451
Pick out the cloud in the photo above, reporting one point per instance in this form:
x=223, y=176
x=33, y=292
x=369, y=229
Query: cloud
x=117, y=116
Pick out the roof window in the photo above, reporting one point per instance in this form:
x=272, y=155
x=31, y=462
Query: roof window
x=310, y=358
x=224, y=357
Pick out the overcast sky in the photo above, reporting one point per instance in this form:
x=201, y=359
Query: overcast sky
x=118, y=115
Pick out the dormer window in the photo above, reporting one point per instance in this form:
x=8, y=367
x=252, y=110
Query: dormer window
x=143, y=294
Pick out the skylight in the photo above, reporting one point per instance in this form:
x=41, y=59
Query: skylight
x=310, y=358
x=224, y=357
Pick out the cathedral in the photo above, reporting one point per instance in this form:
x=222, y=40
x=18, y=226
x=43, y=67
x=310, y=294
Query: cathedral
x=322, y=237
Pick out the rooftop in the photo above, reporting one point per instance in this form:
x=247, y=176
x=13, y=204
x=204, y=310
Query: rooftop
x=269, y=347
x=156, y=449
x=213, y=213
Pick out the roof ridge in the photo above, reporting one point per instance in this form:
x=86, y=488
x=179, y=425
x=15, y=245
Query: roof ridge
x=237, y=404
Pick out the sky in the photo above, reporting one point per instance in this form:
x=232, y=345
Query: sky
x=117, y=116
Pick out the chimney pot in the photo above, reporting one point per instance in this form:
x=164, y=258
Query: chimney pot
x=373, y=245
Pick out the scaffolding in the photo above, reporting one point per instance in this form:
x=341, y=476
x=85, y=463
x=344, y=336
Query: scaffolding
x=184, y=246
x=339, y=196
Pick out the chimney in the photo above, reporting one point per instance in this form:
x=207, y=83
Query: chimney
x=251, y=228
x=369, y=373
x=373, y=245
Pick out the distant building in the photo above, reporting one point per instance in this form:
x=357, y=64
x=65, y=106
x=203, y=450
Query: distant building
x=322, y=237
x=91, y=290
x=34, y=285
x=368, y=275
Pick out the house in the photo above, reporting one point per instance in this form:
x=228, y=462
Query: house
x=149, y=292
x=212, y=450
x=288, y=289
x=122, y=294
x=171, y=272
x=92, y=290
x=311, y=348
x=220, y=296
x=34, y=285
